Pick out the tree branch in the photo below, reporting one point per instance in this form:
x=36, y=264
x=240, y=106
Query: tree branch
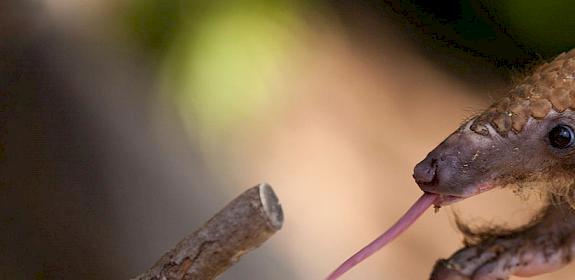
x=244, y=224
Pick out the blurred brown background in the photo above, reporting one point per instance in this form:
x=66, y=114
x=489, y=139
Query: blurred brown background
x=126, y=124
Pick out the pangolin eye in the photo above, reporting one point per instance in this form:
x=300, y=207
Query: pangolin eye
x=561, y=136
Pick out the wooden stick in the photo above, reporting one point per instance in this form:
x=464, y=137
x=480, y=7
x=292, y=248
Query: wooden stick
x=244, y=224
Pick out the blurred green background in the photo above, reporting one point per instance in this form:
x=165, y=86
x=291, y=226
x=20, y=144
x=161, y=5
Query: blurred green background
x=219, y=58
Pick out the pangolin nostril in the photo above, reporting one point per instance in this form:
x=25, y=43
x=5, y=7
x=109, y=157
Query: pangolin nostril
x=425, y=171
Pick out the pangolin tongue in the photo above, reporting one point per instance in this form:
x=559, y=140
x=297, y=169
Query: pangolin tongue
x=424, y=202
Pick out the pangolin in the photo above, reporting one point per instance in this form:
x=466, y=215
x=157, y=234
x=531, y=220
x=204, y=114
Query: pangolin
x=526, y=139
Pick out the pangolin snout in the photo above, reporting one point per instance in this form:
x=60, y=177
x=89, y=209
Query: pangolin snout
x=425, y=172
x=449, y=168
x=432, y=173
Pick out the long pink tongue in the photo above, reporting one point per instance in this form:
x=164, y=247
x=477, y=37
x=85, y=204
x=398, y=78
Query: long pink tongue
x=424, y=202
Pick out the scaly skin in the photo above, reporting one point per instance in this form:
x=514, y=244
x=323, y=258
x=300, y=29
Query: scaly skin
x=509, y=144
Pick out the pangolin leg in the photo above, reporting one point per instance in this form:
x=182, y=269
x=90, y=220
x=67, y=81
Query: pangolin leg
x=541, y=248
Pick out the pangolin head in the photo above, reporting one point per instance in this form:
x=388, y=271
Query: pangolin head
x=525, y=139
